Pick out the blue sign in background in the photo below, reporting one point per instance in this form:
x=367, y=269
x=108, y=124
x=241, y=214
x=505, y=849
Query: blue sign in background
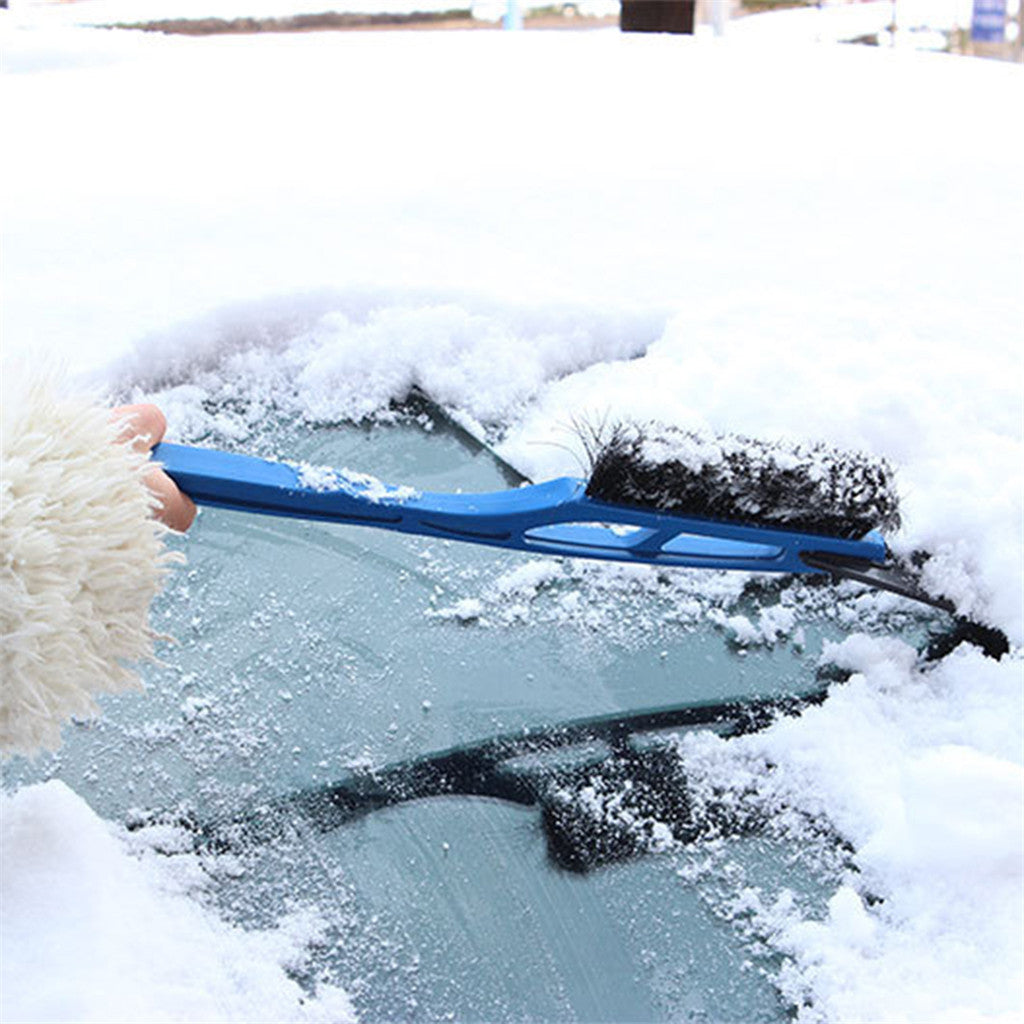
x=988, y=21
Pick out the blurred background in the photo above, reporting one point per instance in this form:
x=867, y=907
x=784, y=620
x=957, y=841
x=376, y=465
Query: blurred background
x=984, y=28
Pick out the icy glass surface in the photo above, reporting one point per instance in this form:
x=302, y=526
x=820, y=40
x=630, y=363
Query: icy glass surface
x=305, y=651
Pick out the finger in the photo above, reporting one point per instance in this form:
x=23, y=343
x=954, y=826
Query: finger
x=177, y=510
x=144, y=425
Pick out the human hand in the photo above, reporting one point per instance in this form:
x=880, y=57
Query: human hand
x=144, y=426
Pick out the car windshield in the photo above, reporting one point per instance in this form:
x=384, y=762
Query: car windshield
x=303, y=725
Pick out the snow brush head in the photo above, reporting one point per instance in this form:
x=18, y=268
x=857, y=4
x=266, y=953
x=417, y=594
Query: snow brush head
x=816, y=489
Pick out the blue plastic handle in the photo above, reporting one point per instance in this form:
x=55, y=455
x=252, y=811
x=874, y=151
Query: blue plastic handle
x=553, y=518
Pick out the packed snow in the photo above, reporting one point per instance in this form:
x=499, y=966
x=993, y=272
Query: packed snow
x=91, y=933
x=792, y=242
x=929, y=926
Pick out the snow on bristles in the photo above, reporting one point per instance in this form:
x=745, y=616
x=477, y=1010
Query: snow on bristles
x=815, y=488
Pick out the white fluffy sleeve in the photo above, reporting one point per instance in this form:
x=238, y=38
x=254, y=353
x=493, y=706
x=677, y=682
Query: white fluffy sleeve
x=80, y=561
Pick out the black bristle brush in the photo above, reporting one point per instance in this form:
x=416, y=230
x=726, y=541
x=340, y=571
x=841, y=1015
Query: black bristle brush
x=813, y=489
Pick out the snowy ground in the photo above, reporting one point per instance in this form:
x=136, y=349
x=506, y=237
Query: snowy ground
x=920, y=24
x=807, y=242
